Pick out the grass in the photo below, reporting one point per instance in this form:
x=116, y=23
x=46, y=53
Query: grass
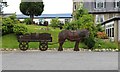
x=10, y=40
x=100, y=43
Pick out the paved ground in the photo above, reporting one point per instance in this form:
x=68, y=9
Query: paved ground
x=54, y=60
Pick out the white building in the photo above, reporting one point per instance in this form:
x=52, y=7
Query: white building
x=47, y=17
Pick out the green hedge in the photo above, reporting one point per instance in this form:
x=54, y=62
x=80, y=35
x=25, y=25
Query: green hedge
x=8, y=24
x=19, y=29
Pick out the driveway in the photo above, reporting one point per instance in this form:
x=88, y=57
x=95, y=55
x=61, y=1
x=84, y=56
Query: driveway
x=54, y=60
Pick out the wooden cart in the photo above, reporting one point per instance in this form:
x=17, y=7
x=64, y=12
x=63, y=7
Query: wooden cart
x=42, y=38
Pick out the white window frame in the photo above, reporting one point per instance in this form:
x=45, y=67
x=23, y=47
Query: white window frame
x=109, y=26
x=98, y=18
x=75, y=6
x=100, y=1
x=116, y=3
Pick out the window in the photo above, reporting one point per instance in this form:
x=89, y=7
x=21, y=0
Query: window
x=100, y=4
x=75, y=7
x=117, y=4
x=99, y=18
x=112, y=32
x=107, y=32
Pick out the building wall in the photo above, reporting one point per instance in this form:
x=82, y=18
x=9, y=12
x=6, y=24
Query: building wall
x=116, y=30
x=62, y=20
x=106, y=16
x=119, y=30
x=109, y=5
x=108, y=11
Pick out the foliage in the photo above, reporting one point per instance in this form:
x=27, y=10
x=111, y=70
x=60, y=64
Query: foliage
x=80, y=12
x=55, y=23
x=99, y=28
x=31, y=9
x=102, y=35
x=87, y=22
x=89, y=42
x=27, y=21
x=71, y=26
x=8, y=24
x=10, y=41
x=101, y=43
x=19, y=29
x=82, y=20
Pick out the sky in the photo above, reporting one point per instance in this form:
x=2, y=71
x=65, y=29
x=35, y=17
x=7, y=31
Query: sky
x=51, y=6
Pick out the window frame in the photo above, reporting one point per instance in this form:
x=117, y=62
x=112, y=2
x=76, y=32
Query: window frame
x=98, y=18
x=99, y=2
x=117, y=4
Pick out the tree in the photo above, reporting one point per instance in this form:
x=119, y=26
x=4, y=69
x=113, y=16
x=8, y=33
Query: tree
x=55, y=23
x=80, y=12
x=32, y=9
x=82, y=20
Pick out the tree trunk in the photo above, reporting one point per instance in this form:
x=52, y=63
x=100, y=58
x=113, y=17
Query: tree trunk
x=32, y=17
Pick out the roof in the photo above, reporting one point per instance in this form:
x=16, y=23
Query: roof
x=103, y=12
x=66, y=15
x=112, y=19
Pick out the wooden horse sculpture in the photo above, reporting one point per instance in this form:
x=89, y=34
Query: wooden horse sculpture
x=77, y=36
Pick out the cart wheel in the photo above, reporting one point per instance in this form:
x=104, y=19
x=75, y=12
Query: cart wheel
x=43, y=46
x=23, y=46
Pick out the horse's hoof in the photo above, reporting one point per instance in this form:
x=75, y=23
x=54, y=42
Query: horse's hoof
x=76, y=50
x=60, y=49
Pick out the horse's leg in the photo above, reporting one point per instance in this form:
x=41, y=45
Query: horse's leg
x=60, y=45
x=76, y=48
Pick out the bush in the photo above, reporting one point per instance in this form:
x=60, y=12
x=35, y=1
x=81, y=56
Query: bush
x=28, y=21
x=20, y=29
x=8, y=24
x=55, y=23
x=89, y=42
x=71, y=26
x=4, y=30
x=101, y=43
x=102, y=35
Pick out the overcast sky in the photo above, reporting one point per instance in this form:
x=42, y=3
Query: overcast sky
x=51, y=6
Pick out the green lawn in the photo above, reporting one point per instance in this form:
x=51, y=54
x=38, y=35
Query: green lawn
x=10, y=41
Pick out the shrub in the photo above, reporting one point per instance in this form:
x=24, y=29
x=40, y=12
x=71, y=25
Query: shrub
x=89, y=42
x=101, y=43
x=102, y=35
x=28, y=21
x=20, y=29
x=4, y=30
x=55, y=23
x=8, y=24
x=71, y=26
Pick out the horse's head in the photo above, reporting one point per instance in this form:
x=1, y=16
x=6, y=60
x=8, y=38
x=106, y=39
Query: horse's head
x=84, y=33
x=87, y=33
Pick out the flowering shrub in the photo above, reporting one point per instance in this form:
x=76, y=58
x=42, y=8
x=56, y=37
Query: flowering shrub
x=102, y=35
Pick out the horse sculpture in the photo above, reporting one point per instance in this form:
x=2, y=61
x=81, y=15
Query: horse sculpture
x=75, y=35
